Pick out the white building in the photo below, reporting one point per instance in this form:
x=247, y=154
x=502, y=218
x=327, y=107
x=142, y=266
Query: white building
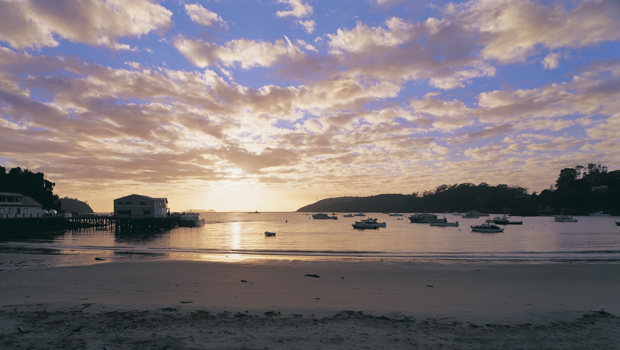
x=16, y=205
x=136, y=206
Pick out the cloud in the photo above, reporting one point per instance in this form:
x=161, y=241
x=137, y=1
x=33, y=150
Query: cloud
x=252, y=162
x=512, y=30
x=452, y=51
x=359, y=106
x=298, y=9
x=362, y=38
x=491, y=132
x=551, y=61
x=590, y=92
x=443, y=115
x=203, y=16
x=242, y=52
x=308, y=25
x=434, y=50
x=40, y=23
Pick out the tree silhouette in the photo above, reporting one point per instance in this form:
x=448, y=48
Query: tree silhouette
x=33, y=185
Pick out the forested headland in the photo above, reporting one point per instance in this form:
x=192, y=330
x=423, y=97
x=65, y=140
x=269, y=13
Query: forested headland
x=74, y=205
x=577, y=191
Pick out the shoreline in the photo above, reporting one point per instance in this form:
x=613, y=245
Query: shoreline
x=454, y=289
x=312, y=304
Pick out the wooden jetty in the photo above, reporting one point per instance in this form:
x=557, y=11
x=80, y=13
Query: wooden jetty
x=52, y=223
x=119, y=225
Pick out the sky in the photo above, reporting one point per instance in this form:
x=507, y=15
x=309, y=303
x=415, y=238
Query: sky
x=270, y=105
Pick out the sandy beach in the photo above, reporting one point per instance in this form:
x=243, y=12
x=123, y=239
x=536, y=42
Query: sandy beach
x=283, y=304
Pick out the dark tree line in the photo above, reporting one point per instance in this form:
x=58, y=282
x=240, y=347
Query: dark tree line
x=579, y=190
x=584, y=189
x=33, y=185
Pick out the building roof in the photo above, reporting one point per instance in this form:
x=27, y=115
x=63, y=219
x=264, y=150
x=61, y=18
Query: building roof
x=26, y=201
x=142, y=196
x=29, y=202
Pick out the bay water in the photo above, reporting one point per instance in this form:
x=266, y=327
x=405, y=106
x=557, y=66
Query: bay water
x=235, y=237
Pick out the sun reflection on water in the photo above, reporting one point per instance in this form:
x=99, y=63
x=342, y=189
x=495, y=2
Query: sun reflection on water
x=235, y=235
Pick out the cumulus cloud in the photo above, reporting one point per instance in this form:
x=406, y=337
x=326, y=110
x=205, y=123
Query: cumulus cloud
x=359, y=106
x=511, y=30
x=243, y=52
x=203, y=16
x=362, y=38
x=298, y=9
x=39, y=23
x=308, y=25
x=551, y=61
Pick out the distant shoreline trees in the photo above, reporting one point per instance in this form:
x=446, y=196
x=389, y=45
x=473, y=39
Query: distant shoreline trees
x=579, y=190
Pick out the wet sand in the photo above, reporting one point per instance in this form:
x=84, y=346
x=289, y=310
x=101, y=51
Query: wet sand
x=312, y=304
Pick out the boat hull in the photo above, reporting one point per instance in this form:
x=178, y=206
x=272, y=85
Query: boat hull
x=445, y=224
x=486, y=228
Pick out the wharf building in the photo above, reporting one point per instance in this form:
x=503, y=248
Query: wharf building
x=16, y=205
x=136, y=206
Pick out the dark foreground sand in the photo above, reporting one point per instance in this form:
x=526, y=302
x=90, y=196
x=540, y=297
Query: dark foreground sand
x=312, y=305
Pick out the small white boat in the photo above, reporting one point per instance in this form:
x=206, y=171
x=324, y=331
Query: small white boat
x=564, y=218
x=370, y=223
x=486, y=228
x=269, y=234
x=191, y=220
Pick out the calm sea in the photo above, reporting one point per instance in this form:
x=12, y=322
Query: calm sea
x=240, y=237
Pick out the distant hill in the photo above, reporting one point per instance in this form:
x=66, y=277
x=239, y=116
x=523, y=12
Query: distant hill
x=378, y=203
x=578, y=191
x=73, y=205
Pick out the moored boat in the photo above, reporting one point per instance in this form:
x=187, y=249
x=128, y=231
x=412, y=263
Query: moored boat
x=269, y=234
x=486, y=228
x=323, y=216
x=503, y=220
x=564, y=218
x=191, y=220
x=423, y=218
x=370, y=223
x=472, y=215
x=445, y=224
